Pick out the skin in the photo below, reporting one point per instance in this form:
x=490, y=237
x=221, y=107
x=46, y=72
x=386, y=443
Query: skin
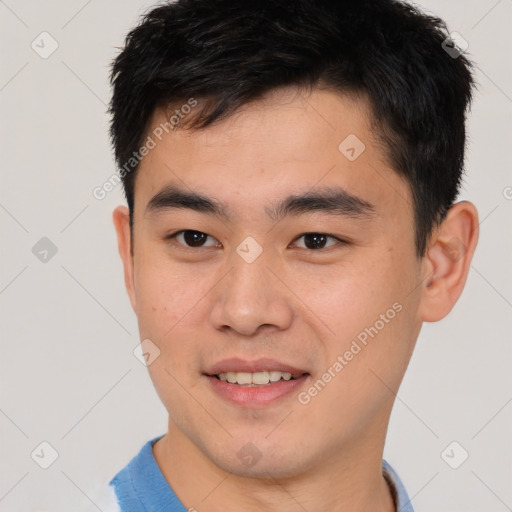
x=295, y=304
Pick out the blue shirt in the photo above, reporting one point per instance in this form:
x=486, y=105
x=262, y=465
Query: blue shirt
x=141, y=487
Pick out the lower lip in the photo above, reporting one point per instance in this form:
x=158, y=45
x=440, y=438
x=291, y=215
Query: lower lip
x=257, y=395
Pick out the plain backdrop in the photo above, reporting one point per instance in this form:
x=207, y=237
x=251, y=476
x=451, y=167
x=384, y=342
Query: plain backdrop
x=68, y=374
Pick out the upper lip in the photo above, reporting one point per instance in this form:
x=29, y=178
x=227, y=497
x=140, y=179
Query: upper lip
x=259, y=365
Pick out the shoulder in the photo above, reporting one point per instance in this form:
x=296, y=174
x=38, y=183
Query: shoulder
x=141, y=487
x=400, y=496
x=107, y=500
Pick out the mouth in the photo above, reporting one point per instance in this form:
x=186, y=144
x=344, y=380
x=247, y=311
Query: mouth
x=254, y=383
x=264, y=378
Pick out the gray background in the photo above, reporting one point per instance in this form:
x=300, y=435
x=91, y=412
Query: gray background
x=69, y=376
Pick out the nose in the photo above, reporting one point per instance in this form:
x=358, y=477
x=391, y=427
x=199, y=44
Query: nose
x=251, y=298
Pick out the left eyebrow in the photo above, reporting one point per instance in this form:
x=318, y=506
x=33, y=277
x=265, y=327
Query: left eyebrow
x=330, y=200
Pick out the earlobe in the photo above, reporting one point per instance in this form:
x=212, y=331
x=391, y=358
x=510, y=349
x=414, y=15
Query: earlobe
x=121, y=218
x=447, y=261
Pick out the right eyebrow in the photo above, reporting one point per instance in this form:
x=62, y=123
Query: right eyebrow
x=174, y=197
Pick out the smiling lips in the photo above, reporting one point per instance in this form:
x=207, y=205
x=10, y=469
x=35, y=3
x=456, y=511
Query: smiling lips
x=254, y=383
x=253, y=379
x=246, y=373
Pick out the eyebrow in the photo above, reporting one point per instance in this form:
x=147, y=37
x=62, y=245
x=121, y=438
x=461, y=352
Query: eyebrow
x=329, y=200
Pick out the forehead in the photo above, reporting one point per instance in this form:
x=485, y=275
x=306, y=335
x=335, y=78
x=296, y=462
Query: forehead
x=289, y=141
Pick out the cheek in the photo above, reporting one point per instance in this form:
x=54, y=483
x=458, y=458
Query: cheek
x=163, y=291
x=157, y=302
x=368, y=311
x=367, y=360
x=170, y=309
x=166, y=303
x=350, y=297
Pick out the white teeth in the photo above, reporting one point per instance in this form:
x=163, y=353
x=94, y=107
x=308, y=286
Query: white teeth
x=275, y=376
x=260, y=378
x=257, y=378
x=244, y=378
x=231, y=377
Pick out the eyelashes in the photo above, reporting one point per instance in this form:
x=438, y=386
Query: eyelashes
x=313, y=241
x=195, y=237
x=316, y=238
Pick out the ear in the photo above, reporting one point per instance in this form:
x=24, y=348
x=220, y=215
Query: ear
x=121, y=218
x=447, y=261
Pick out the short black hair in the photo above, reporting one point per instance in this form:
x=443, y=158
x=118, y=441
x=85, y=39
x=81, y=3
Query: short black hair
x=229, y=53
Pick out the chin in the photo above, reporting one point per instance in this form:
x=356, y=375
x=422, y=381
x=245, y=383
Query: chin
x=261, y=460
x=262, y=470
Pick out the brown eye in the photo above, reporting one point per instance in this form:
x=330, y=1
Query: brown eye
x=317, y=241
x=190, y=238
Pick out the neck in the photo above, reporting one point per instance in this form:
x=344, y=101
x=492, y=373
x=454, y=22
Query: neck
x=350, y=481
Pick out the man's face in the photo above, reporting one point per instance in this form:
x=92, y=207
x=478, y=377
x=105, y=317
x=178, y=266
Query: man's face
x=248, y=286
